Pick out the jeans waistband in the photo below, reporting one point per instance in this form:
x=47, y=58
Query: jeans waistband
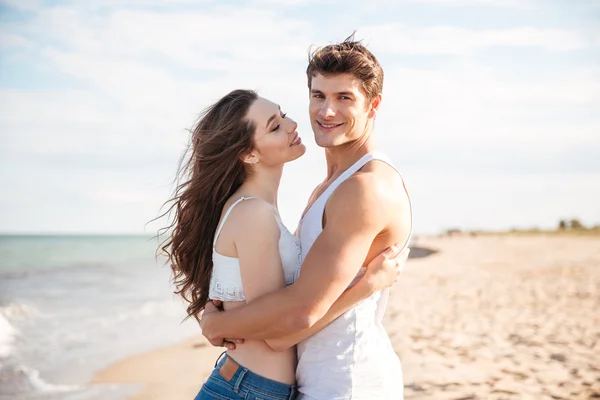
x=243, y=377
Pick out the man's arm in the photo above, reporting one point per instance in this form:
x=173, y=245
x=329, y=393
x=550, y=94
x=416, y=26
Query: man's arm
x=381, y=273
x=355, y=215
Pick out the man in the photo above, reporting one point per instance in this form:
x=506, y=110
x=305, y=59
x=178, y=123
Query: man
x=359, y=210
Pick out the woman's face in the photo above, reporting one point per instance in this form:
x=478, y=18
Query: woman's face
x=276, y=140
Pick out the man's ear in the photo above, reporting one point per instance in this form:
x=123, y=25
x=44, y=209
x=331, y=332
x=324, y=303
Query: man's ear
x=374, y=106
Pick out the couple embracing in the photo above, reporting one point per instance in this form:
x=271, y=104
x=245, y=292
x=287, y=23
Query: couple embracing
x=308, y=306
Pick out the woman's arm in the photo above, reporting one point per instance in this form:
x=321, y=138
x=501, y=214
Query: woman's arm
x=381, y=272
x=257, y=242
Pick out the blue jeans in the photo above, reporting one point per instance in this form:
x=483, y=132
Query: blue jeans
x=242, y=385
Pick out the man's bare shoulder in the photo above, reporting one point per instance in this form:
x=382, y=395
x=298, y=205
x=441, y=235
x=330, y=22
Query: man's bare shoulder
x=361, y=196
x=382, y=171
x=378, y=178
x=377, y=189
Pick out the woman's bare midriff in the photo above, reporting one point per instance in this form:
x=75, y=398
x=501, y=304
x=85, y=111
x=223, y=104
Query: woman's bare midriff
x=259, y=358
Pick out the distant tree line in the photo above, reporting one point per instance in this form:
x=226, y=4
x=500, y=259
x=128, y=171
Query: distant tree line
x=574, y=224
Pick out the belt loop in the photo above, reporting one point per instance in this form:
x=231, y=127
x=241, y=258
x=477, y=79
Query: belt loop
x=219, y=359
x=293, y=393
x=238, y=382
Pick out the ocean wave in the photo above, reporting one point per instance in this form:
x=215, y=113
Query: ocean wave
x=16, y=310
x=34, y=270
x=21, y=379
x=166, y=308
x=7, y=336
x=41, y=385
x=8, y=332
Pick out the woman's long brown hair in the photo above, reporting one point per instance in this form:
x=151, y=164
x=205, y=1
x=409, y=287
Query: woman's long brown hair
x=212, y=172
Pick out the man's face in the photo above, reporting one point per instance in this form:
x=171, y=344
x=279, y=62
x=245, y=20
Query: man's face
x=339, y=111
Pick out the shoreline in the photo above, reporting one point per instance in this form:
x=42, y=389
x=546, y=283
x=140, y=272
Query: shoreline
x=483, y=317
x=173, y=372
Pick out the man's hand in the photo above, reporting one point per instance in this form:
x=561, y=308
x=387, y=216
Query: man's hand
x=216, y=306
x=384, y=270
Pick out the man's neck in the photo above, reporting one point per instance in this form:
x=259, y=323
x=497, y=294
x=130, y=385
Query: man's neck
x=340, y=158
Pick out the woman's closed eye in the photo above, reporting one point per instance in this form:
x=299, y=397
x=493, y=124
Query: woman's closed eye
x=276, y=128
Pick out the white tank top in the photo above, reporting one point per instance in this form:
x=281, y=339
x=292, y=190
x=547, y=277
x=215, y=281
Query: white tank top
x=226, y=279
x=351, y=358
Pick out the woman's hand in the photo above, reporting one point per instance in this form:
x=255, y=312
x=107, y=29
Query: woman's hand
x=384, y=270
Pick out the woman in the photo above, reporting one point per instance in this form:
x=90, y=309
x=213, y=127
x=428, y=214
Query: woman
x=228, y=242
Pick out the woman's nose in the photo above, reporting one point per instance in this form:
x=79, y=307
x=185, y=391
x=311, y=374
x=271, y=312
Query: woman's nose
x=293, y=126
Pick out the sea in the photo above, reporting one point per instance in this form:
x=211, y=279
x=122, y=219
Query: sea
x=73, y=305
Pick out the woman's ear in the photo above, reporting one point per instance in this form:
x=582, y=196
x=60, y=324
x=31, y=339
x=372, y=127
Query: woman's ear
x=250, y=158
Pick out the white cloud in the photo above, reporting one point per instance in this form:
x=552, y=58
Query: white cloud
x=452, y=40
x=144, y=3
x=193, y=39
x=483, y=200
x=283, y=2
x=10, y=41
x=518, y=4
x=26, y=5
x=469, y=104
x=101, y=152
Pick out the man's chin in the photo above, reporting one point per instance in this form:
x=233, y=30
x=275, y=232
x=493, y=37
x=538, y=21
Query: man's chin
x=328, y=142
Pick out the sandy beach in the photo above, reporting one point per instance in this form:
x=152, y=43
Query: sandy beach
x=486, y=317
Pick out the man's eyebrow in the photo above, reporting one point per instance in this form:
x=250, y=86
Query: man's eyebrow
x=272, y=117
x=344, y=93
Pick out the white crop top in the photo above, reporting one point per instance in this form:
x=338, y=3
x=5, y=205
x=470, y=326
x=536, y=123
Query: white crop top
x=226, y=279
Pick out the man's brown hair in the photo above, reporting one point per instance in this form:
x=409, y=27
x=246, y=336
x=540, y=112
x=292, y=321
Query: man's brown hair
x=347, y=57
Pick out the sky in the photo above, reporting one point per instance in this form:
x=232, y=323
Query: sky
x=491, y=108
